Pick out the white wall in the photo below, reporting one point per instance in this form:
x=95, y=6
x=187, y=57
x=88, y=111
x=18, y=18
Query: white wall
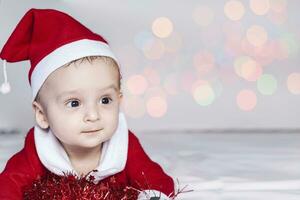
x=120, y=21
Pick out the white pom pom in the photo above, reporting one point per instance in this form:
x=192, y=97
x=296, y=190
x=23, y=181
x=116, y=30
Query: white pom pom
x=5, y=88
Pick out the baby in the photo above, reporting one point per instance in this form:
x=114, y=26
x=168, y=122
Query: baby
x=76, y=87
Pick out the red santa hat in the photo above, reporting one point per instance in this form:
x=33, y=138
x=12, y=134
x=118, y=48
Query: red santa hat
x=49, y=39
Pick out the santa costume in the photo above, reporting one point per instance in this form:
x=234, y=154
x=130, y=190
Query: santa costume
x=50, y=39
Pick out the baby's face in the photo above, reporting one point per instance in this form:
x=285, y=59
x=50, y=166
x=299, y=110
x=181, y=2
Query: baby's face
x=81, y=103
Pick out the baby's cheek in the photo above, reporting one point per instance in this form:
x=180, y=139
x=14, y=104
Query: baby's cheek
x=114, y=122
x=62, y=121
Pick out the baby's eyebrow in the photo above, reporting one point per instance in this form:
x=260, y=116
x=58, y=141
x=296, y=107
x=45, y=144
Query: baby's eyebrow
x=73, y=92
x=112, y=86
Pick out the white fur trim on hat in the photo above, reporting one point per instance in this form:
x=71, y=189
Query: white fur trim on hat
x=63, y=55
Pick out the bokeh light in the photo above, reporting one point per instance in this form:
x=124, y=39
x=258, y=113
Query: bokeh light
x=152, y=75
x=162, y=27
x=154, y=50
x=279, y=51
x=251, y=70
x=246, y=100
x=278, y=11
x=142, y=38
x=137, y=84
x=156, y=106
x=293, y=83
x=203, y=93
x=290, y=44
x=264, y=54
x=233, y=47
x=278, y=5
x=257, y=35
x=246, y=47
x=247, y=68
x=277, y=18
x=267, y=84
x=234, y=10
x=187, y=80
x=204, y=62
x=203, y=15
x=260, y=7
x=155, y=91
x=134, y=106
x=233, y=36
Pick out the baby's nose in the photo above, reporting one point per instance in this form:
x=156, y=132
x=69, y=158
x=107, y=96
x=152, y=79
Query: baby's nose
x=92, y=114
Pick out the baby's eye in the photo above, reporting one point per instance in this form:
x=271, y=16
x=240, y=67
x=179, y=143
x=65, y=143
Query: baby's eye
x=73, y=103
x=106, y=100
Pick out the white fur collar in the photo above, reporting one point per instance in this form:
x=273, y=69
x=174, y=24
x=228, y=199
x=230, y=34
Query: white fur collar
x=113, y=156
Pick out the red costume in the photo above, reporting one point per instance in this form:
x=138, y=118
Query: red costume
x=25, y=167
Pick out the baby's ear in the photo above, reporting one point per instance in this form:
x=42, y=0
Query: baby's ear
x=121, y=95
x=40, y=115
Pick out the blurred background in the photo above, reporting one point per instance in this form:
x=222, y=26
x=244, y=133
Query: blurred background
x=192, y=71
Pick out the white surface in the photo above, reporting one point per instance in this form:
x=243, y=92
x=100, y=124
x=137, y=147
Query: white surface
x=218, y=166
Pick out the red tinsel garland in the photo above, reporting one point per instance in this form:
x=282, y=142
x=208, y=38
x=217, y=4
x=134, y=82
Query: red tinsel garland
x=69, y=187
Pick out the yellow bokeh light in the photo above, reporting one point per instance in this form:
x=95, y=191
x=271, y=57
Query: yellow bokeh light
x=154, y=50
x=197, y=84
x=257, y=35
x=293, y=83
x=203, y=15
x=203, y=93
x=157, y=106
x=134, y=106
x=162, y=27
x=251, y=70
x=247, y=68
x=238, y=62
x=137, y=84
x=246, y=100
x=234, y=10
x=260, y=7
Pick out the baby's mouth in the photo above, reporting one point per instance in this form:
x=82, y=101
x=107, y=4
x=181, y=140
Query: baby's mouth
x=92, y=131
